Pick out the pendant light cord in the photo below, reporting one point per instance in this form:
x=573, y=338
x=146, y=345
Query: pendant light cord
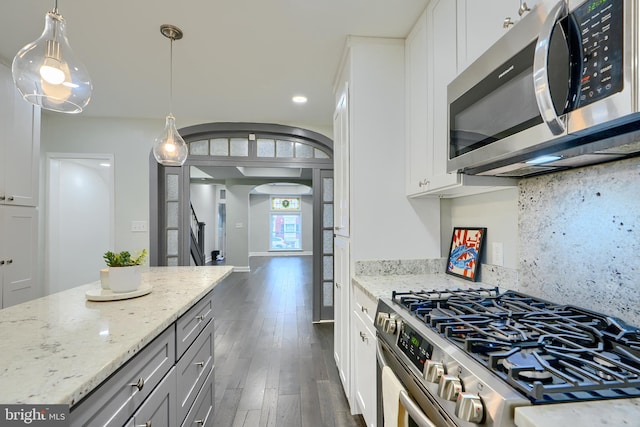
x=171, y=77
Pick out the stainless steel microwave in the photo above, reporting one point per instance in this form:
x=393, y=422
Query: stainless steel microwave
x=559, y=90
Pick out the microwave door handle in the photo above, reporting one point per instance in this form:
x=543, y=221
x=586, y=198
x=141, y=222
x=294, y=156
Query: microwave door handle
x=540, y=72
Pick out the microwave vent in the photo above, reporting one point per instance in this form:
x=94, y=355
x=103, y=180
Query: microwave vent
x=625, y=149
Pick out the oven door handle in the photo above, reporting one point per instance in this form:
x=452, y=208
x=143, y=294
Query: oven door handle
x=381, y=360
x=412, y=408
x=541, y=73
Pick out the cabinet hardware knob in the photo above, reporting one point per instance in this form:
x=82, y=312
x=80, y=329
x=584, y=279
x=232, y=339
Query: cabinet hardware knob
x=200, y=364
x=507, y=22
x=364, y=337
x=338, y=285
x=2, y=197
x=364, y=309
x=1, y=262
x=10, y=198
x=199, y=422
x=523, y=8
x=9, y=261
x=200, y=317
x=147, y=424
x=423, y=183
x=139, y=385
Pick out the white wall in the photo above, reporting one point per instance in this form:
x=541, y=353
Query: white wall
x=498, y=211
x=130, y=141
x=203, y=199
x=260, y=206
x=79, y=217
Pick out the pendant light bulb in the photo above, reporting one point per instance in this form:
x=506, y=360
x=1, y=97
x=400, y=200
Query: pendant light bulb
x=169, y=148
x=47, y=72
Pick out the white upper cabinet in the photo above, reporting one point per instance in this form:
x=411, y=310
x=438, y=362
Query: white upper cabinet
x=431, y=62
x=481, y=23
x=19, y=145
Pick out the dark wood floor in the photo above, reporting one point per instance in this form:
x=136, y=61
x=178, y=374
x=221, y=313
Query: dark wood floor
x=274, y=367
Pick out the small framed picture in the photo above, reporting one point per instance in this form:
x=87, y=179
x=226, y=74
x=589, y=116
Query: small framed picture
x=466, y=248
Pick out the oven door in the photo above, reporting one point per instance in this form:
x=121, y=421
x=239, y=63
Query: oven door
x=422, y=410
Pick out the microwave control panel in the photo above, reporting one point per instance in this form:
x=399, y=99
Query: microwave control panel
x=600, y=23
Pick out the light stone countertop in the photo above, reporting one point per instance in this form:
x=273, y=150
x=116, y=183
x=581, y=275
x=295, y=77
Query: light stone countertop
x=58, y=348
x=381, y=286
x=617, y=412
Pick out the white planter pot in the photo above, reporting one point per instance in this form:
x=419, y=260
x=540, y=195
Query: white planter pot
x=124, y=279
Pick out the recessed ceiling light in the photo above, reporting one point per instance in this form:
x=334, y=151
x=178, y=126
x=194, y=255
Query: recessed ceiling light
x=299, y=99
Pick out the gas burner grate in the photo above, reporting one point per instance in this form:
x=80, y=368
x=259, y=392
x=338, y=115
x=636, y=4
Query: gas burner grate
x=550, y=352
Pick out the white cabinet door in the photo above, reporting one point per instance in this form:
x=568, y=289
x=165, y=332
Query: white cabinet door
x=442, y=67
x=480, y=24
x=364, y=367
x=419, y=163
x=341, y=154
x=19, y=145
x=18, y=266
x=341, y=304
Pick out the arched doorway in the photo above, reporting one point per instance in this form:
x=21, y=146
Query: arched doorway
x=250, y=148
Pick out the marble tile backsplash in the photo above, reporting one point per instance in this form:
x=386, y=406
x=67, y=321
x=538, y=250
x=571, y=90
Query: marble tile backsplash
x=579, y=237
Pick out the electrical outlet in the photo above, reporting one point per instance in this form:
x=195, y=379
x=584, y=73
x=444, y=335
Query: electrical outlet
x=497, y=253
x=138, y=226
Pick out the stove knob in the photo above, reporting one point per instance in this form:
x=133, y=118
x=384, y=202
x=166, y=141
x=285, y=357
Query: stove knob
x=380, y=318
x=433, y=371
x=469, y=407
x=390, y=325
x=449, y=387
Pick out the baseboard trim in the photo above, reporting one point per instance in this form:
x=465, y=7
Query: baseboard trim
x=282, y=253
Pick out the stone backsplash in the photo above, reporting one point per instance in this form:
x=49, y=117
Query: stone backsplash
x=579, y=238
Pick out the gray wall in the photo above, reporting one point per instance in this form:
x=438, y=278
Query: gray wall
x=260, y=208
x=238, y=226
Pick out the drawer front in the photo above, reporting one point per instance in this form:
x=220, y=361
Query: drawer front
x=365, y=305
x=193, y=368
x=190, y=324
x=159, y=410
x=201, y=413
x=116, y=399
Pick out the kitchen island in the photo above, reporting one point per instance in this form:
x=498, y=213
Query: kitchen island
x=57, y=349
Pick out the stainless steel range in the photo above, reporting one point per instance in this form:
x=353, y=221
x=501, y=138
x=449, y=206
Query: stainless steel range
x=468, y=357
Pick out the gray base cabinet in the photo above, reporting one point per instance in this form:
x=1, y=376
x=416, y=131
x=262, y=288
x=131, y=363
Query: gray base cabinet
x=168, y=383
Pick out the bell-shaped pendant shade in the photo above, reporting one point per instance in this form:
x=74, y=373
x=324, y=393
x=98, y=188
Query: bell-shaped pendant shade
x=47, y=72
x=169, y=148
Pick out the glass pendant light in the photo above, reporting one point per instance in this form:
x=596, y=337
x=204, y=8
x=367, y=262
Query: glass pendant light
x=47, y=72
x=169, y=148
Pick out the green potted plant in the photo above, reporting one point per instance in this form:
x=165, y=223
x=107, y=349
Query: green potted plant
x=124, y=272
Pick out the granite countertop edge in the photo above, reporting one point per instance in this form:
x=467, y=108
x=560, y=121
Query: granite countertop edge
x=58, y=348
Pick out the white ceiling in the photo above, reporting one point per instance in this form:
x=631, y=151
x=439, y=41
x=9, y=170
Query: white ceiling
x=239, y=60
